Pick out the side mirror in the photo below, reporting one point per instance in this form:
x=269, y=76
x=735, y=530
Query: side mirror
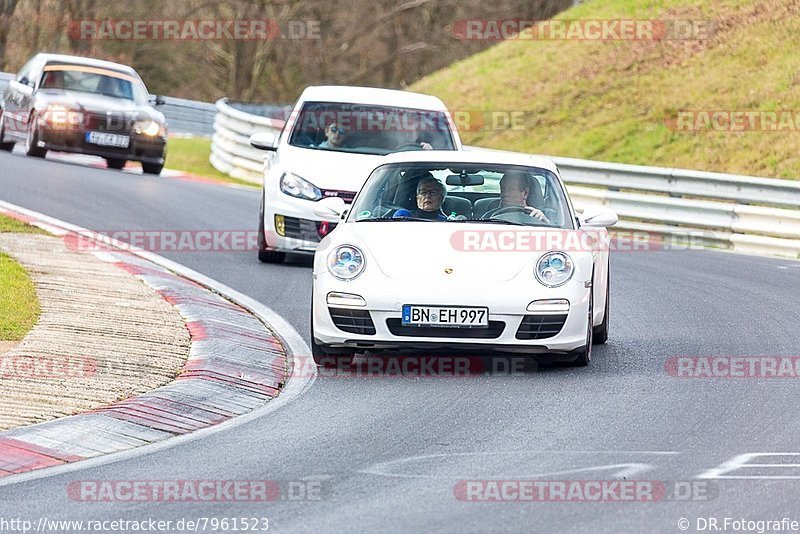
x=263, y=141
x=598, y=217
x=330, y=208
x=160, y=100
x=25, y=85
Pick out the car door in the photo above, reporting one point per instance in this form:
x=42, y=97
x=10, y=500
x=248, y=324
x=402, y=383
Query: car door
x=17, y=100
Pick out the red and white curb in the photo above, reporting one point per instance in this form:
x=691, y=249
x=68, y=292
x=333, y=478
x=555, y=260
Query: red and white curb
x=241, y=358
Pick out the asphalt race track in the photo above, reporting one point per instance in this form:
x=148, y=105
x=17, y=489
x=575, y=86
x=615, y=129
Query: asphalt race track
x=388, y=452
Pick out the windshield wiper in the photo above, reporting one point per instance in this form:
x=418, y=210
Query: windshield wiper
x=493, y=221
x=396, y=219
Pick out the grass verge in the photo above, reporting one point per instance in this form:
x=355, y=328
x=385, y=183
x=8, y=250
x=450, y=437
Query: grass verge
x=190, y=155
x=19, y=307
x=619, y=100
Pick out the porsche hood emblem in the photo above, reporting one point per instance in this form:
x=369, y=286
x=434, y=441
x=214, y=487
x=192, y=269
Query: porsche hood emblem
x=448, y=270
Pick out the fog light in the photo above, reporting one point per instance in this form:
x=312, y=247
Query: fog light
x=549, y=306
x=345, y=299
x=280, y=225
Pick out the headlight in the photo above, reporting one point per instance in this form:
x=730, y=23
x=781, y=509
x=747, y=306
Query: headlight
x=554, y=269
x=148, y=127
x=294, y=186
x=346, y=262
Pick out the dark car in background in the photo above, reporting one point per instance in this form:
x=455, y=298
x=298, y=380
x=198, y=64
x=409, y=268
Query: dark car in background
x=84, y=106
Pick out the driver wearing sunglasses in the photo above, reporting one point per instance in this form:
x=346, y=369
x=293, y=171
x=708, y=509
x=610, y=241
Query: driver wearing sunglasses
x=335, y=136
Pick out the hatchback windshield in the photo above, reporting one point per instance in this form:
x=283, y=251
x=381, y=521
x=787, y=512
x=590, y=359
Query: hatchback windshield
x=453, y=193
x=370, y=129
x=92, y=80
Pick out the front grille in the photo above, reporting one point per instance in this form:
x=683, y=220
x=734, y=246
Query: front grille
x=494, y=330
x=347, y=196
x=353, y=321
x=113, y=122
x=540, y=326
x=306, y=229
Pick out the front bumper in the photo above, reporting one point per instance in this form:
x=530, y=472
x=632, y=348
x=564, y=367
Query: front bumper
x=300, y=229
x=144, y=149
x=507, y=303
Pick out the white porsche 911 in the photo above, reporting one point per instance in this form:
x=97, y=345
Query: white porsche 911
x=471, y=250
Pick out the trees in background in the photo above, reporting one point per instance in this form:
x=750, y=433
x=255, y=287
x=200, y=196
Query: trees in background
x=387, y=43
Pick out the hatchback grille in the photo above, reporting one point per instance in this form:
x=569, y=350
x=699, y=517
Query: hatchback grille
x=494, y=330
x=540, y=326
x=353, y=321
x=347, y=196
x=306, y=229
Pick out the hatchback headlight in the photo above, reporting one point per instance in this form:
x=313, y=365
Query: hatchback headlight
x=346, y=262
x=297, y=187
x=150, y=128
x=554, y=269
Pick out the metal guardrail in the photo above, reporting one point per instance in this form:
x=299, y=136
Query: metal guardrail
x=184, y=117
x=744, y=214
x=231, y=152
x=740, y=213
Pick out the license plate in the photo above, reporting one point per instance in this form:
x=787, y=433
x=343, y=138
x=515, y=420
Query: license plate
x=445, y=316
x=107, y=139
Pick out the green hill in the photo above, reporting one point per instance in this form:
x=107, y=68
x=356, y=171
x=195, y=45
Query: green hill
x=614, y=100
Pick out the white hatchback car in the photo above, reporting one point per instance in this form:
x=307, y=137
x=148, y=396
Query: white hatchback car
x=333, y=138
x=508, y=266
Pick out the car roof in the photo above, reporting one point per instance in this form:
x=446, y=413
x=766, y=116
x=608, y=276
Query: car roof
x=474, y=155
x=371, y=96
x=79, y=60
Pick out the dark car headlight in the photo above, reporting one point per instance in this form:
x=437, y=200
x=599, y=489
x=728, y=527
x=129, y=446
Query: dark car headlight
x=294, y=186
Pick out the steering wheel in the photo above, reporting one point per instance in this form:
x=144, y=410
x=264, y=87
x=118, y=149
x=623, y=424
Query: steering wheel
x=509, y=209
x=404, y=146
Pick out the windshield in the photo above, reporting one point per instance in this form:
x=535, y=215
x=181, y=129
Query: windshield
x=367, y=129
x=456, y=193
x=93, y=80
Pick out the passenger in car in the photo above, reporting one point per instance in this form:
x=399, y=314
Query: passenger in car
x=430, y=197
x=515, y=187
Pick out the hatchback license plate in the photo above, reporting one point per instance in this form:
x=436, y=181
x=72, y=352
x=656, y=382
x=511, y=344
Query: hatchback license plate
x=452, y=316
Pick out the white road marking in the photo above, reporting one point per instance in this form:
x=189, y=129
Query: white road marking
x=620, y=470
x=742, y=461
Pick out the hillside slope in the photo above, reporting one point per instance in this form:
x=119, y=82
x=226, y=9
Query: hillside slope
x=615, y=100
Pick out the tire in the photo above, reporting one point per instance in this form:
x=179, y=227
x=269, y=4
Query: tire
x=325, y=357
x=32, y=139
x=152, y=168
x=584, y=354
x=5, y=147
x=264, y=254
x=600, y=334
x=116, y=164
